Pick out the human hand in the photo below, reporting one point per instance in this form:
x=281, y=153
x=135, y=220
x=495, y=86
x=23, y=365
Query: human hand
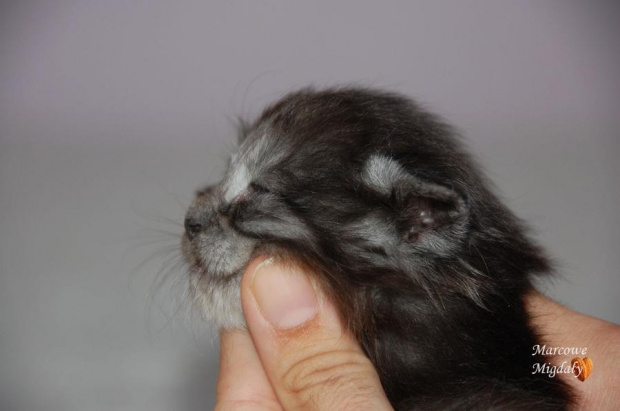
x=296, y=354
x=560, y=326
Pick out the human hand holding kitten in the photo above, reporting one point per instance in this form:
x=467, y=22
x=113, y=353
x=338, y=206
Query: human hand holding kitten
x=430, y=274
x=296, y=354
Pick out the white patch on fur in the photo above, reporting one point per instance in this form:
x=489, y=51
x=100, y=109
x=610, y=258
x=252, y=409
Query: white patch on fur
x=381, y=173
x=264, y=154
x=248, y=164
x=237, y=181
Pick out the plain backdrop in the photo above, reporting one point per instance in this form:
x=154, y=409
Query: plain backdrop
x=113, y=112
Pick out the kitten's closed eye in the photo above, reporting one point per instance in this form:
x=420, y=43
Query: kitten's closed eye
x=253, y=189
x=257, y=189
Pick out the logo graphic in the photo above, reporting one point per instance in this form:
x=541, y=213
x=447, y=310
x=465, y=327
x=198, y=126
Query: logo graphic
x=582, y=367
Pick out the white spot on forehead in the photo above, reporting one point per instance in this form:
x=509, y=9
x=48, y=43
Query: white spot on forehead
x=265, y=151
x=254, y=157
x=381, y=173
x=237, y=181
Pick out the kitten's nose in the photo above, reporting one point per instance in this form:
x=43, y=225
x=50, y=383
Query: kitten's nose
x=192, y=227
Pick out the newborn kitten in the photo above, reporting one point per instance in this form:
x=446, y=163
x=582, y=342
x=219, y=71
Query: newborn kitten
x=427, y=267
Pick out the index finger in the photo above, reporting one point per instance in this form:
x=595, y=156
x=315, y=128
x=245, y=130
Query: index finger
x=242, y=383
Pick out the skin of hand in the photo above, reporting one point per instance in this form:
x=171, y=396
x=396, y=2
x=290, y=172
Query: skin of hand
x=560, y=326
x=296, y=353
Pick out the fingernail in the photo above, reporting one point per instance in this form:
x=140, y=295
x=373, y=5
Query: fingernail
x=284, y=294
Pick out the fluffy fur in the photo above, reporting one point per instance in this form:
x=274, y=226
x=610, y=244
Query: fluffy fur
x=427, y=266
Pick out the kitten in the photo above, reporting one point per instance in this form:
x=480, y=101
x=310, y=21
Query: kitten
x=427, y=267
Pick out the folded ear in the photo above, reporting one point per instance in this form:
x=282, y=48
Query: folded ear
x=430, y=215
x=428, y=208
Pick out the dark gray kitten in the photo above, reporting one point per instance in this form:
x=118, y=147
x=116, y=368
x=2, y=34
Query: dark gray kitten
x=427, y=266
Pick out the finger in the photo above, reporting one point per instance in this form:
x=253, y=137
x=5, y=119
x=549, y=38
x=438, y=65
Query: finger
x=242, y=383
x=311, y=361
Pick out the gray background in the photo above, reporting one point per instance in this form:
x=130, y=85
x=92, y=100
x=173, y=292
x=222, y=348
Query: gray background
x=113, y=112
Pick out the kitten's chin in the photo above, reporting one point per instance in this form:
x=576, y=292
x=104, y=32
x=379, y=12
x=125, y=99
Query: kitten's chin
x=215, y=279
x=214, y=285
x=218, y=299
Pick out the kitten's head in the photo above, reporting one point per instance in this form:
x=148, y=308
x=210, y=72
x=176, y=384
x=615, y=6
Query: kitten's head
x=369, y=190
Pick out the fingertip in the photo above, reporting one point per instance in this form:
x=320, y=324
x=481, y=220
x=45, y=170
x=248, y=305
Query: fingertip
x=301, y=340
x=242, y=379
x=248, y=273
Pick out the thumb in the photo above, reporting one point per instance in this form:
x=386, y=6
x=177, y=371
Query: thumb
x=310, y=360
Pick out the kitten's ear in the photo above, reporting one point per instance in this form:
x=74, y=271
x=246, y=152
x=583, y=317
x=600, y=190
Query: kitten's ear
x=428, y=210
x=431, y=215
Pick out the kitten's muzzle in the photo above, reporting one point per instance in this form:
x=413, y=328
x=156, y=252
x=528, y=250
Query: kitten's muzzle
x=193, y=227
x=204, y=215
x=200, y=216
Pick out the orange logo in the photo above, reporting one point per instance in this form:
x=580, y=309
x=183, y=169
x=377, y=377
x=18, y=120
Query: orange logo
x=582, y=367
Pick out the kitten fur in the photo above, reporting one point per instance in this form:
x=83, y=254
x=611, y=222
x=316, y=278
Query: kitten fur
x=427, y=267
